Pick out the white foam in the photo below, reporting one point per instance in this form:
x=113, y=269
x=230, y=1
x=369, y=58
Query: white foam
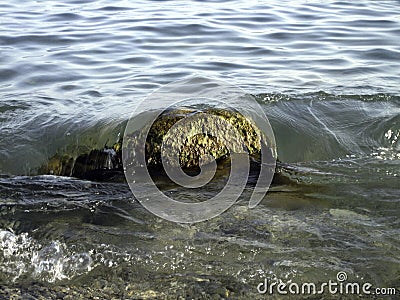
x=20, y=255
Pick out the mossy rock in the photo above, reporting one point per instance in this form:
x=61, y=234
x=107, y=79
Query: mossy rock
x=98, y=162
x=195, y=144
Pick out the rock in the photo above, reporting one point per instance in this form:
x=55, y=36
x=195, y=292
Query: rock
x=192, y=145
x=348, y=215
x=106, y=163
x=97, y=164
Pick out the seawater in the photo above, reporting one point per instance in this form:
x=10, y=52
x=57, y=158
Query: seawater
x=327, y=75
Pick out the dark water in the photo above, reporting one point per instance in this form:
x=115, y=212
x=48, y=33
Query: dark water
x=327, y=74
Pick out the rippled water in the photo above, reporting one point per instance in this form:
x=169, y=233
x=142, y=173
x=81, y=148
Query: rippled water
x=327, y=74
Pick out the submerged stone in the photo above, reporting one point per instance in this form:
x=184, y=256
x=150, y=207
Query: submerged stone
x=191, y=144
x=195, y=139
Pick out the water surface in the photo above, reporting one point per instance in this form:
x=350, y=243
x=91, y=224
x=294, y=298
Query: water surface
x=327, y=75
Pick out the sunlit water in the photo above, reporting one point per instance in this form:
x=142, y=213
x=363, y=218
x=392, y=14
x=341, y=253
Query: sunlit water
x=327, y=75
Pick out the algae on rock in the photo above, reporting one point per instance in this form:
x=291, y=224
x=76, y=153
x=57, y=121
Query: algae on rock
x=195, y=144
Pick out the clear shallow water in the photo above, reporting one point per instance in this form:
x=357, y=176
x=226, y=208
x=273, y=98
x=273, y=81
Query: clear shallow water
x=327, y=75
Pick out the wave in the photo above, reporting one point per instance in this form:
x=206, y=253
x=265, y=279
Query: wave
x=308, y=127
x=323, y=126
